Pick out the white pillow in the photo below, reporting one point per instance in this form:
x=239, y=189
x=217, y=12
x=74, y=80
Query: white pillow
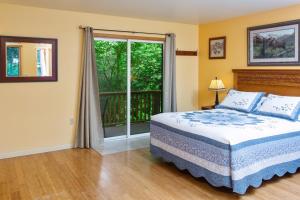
x=280, y=106
x=259, y=104
x=242, y=101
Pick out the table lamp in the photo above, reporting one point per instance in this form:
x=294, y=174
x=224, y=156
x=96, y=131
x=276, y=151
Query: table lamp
x=217, y=86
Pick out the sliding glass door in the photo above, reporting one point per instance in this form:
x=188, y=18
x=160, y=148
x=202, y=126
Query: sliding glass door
x=111, y=59
x=146, y=84
x=130, y=84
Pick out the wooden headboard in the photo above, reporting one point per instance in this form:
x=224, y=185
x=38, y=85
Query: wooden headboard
x=281, y=82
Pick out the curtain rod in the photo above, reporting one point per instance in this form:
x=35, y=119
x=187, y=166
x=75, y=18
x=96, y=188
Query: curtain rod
x=123, y=31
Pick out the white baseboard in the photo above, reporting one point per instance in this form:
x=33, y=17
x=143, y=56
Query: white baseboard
x=34, y=151
x=124, y=137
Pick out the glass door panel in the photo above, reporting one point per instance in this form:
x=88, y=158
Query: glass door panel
x=146, y=84
x=111, y=59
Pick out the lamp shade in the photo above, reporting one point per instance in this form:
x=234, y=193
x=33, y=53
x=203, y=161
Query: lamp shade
x=216, y=84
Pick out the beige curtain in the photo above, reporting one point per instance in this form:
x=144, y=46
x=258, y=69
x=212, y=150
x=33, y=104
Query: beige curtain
x=169, y=84
x=44, y=60
x=90, y=130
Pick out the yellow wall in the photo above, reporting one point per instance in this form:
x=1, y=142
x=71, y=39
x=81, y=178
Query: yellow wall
x=37, y=115
x=28, y=59
x=236, y=32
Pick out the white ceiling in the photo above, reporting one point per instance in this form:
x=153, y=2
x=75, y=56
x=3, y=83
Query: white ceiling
x=186, y=11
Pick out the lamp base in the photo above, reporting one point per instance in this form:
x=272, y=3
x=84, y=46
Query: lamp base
x=217, y=99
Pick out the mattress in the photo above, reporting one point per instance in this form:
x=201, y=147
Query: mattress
x=228, y=148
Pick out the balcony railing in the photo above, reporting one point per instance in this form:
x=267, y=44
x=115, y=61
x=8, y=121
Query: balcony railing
x=143, y=105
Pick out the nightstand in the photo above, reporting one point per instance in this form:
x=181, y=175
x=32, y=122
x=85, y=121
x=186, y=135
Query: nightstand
x=207, y=107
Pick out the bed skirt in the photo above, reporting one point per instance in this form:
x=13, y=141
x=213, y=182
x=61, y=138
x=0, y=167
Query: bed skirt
x=239, y=186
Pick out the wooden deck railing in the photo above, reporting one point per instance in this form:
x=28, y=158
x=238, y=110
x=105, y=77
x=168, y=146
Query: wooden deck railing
x=143, y=105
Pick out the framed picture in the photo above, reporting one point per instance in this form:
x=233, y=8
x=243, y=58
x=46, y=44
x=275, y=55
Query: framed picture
x=274, y=44
x=217, y=48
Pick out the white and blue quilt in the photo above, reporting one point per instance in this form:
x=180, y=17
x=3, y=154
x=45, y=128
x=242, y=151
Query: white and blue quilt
x=227, y=147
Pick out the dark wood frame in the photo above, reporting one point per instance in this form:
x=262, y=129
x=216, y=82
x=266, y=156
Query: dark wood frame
x=186, y=53
x=4, y=78
x=217, y=38
x=274, y=25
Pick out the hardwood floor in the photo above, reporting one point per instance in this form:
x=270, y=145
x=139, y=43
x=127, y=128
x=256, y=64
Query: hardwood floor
x=84, y=174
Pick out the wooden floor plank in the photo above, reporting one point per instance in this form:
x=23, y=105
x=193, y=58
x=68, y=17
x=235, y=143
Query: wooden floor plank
x=81, y=174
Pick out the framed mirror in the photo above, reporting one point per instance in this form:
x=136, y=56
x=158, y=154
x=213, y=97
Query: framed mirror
x=24, y=59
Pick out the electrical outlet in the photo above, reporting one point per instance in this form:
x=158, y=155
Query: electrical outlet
x=71, y=121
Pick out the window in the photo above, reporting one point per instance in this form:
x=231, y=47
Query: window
x=38, y=62
x=13, y=61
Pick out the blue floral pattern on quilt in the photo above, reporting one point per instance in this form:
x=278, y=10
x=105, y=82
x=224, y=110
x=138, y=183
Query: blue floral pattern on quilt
x=222, y=118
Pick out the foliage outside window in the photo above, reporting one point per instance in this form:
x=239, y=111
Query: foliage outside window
x=146, y=65
x=38, y=62
x=146, y=82
x=13, y=62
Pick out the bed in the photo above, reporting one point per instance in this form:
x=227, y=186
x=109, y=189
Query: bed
x=232, y=148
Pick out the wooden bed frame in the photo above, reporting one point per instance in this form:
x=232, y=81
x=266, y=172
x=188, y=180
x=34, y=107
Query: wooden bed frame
x=280, y=82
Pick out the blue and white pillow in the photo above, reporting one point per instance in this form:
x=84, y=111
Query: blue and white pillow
x=280, y=106
x=242, y=101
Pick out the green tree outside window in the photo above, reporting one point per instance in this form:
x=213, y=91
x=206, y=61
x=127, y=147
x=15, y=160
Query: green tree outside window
x=13, y=61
